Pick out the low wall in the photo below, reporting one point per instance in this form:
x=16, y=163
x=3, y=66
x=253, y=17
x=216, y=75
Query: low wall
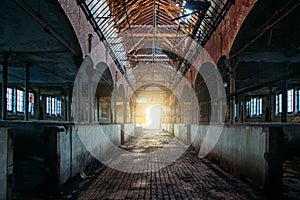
x=128, y=131
x=182, y=132
x=168, y=128
x=28, y=136
x=139, y=130
x=6, y=163
x=78, y=146
x=67, y=149
x=240, y=150
x=254, y=151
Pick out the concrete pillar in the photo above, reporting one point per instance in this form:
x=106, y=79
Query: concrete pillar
x=125, y=111
x=268, y=111
x=182, y=113
x=114, y=109
x=134, y=114
x=98, y=109
x=69, y=101
x=220, y=104
x=171, y=112
x=271, y=104
x=232, y=98
x=26, y=84
x=192, y=111
x=131, y=112
x=78, y=101
x=90, y=103
x=39, y=105
x=111, y=108
x=174, y=113
x=244, y=109
x=66, y=107
x=232, y=64
x=4, y=86
x=284, y=101
x=108, y=111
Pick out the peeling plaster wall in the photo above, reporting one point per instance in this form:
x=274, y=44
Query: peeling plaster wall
x=75, y=155
x=129, y=131
x=182, y=133
x=240, y=150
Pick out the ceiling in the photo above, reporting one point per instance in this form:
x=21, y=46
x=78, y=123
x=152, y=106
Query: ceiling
x=29, y=32
x=39, y=34
x=268, y=45
x=141, y=31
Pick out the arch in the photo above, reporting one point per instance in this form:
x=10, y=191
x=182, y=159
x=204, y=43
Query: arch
x=222, y=39
x=83, y=29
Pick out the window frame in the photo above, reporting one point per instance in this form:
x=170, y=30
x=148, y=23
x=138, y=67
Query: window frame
x=255, y=107
x=53, y=106
x=290, y=101
x=20, y=101
x=10, y=101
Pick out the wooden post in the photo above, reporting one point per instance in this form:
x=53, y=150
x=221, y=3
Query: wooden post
x=66, y=106
x=4, y=86
x=69, y=93
x=98, y=109
x=284, y=102
x=125, y=111
x=26, y=85
x=232, y=65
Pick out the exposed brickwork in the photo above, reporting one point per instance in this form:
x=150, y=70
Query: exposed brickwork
x=222, y=39
x=82, y=29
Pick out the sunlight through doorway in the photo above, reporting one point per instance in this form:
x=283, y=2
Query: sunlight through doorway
x=154, y=117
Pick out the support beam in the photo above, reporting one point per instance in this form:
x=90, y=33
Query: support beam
x=108, y=112
x=243, y=109
x=256, y=86
x=4, y=86
x=78, y=101
x=44, y=24
x=232, y=99
x=131, y=112
x=174, y=110
x=125, y=111
x=284, y=101
x=134, y=113
x=69, y=101
x=269, y=116
x=26, y=85
x=91, y=102
x=66, y=106
x=114, y=103
x=232, y=65
x=98, y=109
x=182, y=119
x=39, y=105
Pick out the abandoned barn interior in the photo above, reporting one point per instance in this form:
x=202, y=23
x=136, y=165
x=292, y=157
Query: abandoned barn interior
x=150, y=99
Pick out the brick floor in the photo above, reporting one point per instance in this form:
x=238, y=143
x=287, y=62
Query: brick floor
x=187, y=178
